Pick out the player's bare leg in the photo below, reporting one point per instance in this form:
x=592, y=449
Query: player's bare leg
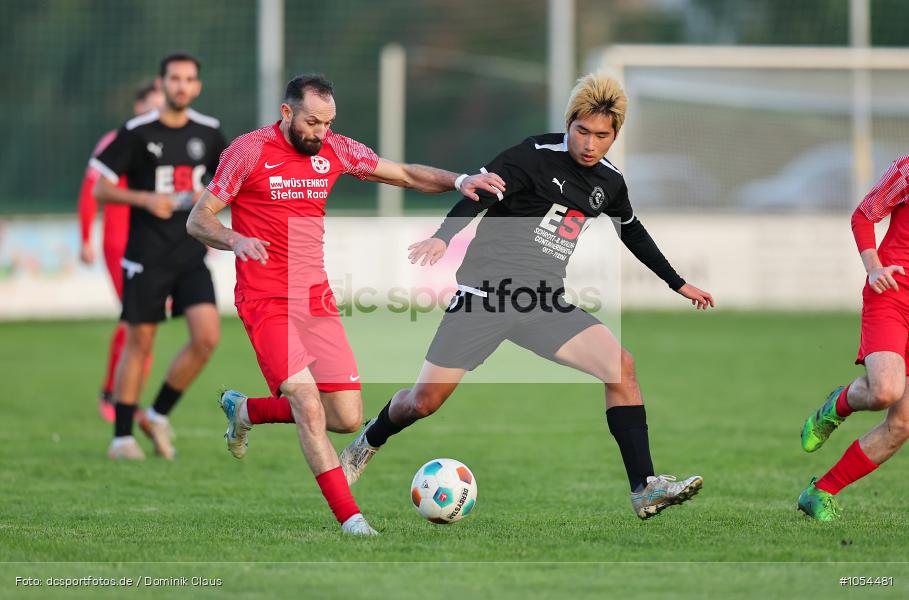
x=883, y=441
x=309, y=415
x=127, y=388
x=434, y=386
x=204, y=327
x=880, y=386
x=343, y=410
x=596, y=351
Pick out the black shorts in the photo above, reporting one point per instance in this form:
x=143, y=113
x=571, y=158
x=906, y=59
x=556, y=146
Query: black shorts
x=469, y=334
x=146, y=289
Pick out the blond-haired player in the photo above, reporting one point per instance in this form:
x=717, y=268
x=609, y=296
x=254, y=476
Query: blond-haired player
x=510, y=286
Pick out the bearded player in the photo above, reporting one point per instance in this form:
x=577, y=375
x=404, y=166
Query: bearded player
x=277, y=180
x=557, y=184
x=882, y=350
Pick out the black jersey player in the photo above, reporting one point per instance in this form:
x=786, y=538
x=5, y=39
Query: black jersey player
x=166, y=156
x=555, y=185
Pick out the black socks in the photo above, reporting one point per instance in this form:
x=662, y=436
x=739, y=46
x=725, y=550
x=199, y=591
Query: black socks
x=123, y=420
x=383, y=428
x=167, y=397
x=628, y=425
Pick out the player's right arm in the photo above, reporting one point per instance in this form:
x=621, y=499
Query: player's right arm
x=234, y=166
x=204, y=225
x=510, y=167
x=116, y=159
x=889, y=191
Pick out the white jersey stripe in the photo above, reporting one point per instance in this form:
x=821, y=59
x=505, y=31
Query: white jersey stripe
x=143, y=119
x=102, y=168
x=563, y=147
x=203, y=119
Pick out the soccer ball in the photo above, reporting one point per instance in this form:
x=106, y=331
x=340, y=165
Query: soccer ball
x=444, y=491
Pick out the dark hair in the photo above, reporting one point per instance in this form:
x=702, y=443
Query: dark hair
x=143, y=91
x=314, y=82
x=178, y=57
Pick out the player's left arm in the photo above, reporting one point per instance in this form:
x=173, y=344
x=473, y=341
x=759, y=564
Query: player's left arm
x=431, y=180
x=637, y=239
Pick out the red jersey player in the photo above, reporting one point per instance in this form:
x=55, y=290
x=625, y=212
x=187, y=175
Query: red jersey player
x=277, y=180
x=882, y=349
x=116, y=231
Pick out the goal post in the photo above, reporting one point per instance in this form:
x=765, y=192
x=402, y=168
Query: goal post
x=864, y=83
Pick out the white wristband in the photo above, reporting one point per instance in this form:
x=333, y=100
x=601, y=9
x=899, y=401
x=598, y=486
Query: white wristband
x=460, y=180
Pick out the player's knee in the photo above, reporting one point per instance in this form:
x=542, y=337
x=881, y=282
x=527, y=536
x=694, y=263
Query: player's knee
x=350, y=421
x=627, y=364
x=306, y=406
x=140, y=342
x=886, y=393
x=426, y=401
x=204, y=344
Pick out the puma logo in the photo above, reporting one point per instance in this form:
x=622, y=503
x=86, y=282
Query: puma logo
x=556, y=181
x=156, y=149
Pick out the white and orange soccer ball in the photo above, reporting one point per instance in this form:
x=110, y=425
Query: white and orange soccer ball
x=444, y=491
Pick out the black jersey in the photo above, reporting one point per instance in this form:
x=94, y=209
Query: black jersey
x=551, y=200
x=158, y=158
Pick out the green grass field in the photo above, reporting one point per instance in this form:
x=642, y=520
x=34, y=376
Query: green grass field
x=726, y=395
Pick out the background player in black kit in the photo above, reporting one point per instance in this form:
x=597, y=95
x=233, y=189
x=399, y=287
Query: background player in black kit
x=166, y=156
x=555, y=183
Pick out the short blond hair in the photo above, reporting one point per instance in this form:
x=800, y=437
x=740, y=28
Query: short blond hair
x=596, y=94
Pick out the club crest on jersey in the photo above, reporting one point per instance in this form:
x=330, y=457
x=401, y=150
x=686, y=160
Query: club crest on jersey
x=195, y=148
x=320, y=164
x=597, y=196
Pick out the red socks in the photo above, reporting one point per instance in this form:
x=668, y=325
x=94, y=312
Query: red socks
x=113, y=356
x=843, y=409
x=854, y=465
x=269, y=410
x=337, y=493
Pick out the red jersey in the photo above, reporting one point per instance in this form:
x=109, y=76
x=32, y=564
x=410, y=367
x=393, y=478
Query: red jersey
x=116, y=216
x=889, y=196
x=278, y=195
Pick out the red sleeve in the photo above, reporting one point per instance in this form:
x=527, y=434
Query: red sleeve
x=863, y=230
x=88, y=207
x=235, y=165
x=888, y=192
x=358, y=159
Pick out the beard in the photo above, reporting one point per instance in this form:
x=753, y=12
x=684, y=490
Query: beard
x=304, y=145
x=177, y=103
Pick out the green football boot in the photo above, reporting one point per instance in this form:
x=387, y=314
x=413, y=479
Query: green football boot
x=818, y=504
x=821, y=424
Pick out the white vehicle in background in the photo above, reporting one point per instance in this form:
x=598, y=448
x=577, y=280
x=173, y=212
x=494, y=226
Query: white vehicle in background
x=819, y=179
x=671, y=181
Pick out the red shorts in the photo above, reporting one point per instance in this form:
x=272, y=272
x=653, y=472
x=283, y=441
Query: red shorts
x=885, y=324
x=289, y=336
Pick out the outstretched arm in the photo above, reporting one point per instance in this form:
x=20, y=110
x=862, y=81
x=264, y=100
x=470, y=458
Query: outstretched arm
x=639, y=242
x=431, y=180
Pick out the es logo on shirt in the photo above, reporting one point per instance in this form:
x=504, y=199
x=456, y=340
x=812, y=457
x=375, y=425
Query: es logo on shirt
x=320, y=164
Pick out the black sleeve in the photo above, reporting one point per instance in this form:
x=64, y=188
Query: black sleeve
x=511, y=165
x=638, y=241
x=219, y=145
x=120, y=154
x=461, y=215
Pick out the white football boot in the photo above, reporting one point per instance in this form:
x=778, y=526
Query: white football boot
x=662, y=492
x=125, y=448
x=231, y=402
x=357, y=525
x=355, y=456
